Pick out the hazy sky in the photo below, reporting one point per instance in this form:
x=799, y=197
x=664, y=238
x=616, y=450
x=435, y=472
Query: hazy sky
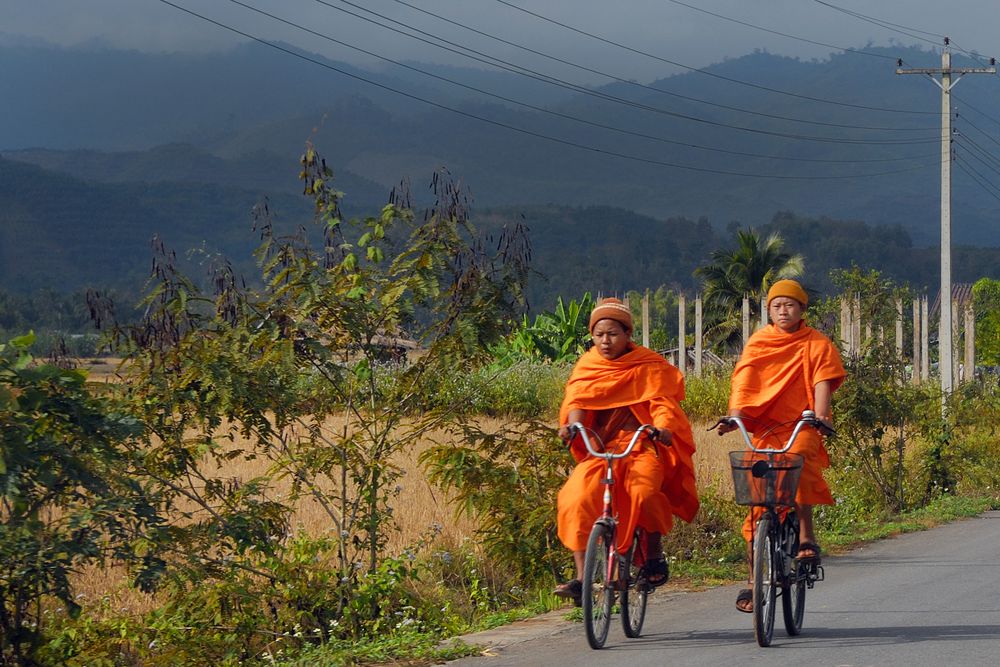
x=665, y=28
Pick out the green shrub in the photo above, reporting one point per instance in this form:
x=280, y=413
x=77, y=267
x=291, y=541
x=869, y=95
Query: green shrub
x=707, y=398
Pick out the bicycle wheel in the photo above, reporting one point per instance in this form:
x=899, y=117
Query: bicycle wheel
x=634, y=593
x=793, y=587
x=763, y=582
x=598, y=584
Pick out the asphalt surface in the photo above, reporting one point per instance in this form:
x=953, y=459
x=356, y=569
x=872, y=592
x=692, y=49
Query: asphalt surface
x=923, y=599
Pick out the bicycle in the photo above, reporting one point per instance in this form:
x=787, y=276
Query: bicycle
x=769, y=478
x=606, y=572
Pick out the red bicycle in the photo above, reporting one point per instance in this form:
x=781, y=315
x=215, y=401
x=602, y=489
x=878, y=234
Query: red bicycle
x=607, y=573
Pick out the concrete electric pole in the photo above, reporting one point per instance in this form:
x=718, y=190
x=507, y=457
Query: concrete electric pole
x=949, y=79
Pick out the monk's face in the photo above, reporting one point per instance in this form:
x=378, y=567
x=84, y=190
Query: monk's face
x=610, y=338
x=786, y=313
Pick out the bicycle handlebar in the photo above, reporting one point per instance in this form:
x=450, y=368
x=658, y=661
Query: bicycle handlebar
x=577, y=427
x=808, y=418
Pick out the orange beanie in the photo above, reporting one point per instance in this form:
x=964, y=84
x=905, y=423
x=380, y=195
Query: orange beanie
x=789, y=288
x=611, y=309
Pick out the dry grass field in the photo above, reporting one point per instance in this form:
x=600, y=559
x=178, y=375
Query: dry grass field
x=418, y=507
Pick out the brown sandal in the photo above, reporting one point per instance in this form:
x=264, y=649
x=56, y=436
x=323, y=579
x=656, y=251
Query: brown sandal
x=744, y=601
x=572, y=589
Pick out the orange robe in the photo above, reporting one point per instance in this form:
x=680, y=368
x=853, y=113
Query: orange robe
x=655, y=482
x=773, y=382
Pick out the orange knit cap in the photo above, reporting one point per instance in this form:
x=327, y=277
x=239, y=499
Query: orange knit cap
x=789, y=288
x=611, y=309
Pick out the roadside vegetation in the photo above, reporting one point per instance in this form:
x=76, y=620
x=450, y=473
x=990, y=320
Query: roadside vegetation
x=277, y=477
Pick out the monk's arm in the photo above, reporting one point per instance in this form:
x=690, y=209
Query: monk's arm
x=822, y=393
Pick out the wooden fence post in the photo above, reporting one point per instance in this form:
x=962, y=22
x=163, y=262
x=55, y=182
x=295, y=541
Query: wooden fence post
x=697, y=336
x=746, y=320
x=970, y=343
x=916, y=341
x=681, y=328
x=645, y=319
x=899, y=330
x=856, y=323
x=925, y=358
x=845, y=324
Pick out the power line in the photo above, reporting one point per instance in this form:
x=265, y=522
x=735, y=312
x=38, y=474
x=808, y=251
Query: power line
x=707, y=73
x=618, y=78
x=551, y=112
x=967, y=142
x=524, y=131
x=979, y=179
x=980, y=130
x=984, y=163
x=606, y=96
x=888, y=25
x=981, y=157
x=781, y=34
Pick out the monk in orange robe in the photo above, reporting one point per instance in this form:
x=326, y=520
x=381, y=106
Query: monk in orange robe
x=785, y=368
x=615, y=387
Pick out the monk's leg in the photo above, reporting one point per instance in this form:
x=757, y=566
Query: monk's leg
x=807, y=534
x=579, y=503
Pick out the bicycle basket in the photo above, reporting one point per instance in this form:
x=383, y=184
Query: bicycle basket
x=765, y=479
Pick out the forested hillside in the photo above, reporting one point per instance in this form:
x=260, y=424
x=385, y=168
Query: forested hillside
x=692, y=145
x=65, y=233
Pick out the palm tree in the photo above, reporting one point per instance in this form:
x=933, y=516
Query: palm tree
x=748, y=270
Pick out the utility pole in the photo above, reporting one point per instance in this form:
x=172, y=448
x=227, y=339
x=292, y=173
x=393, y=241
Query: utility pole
x=949, y=79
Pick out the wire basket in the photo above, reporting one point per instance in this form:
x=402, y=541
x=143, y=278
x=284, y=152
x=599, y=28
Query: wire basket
x=765, y=479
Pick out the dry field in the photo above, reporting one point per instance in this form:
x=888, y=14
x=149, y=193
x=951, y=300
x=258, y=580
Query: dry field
x=418, y=507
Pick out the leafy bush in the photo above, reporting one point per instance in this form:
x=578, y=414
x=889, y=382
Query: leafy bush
x=508, y=480
x=707, y=397
x=70, y=494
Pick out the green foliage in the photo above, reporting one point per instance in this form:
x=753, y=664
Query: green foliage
x=294, y=375
x=748, y=270
x=558, y=336
x=707, y=397
x=507, y=480
x=986, y=295
x=70, y=496
x=878, y=411
x=523, y=390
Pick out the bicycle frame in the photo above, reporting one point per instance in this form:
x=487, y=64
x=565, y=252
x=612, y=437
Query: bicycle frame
x=610, y=458
x=783, y=569
x=604, y=533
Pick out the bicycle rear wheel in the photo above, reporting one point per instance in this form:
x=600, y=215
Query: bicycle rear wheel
x=793, y=587
x=764, y=593
x=598, y=584
x=634, y=593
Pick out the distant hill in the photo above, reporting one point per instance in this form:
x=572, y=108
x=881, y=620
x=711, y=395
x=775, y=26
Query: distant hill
x=102, y=149
x=64, y=233
x=254, y=103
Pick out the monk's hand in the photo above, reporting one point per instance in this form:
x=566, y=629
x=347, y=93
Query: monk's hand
x=662, y=435
x=566, y=433
x=725, y=426
x=825, y=426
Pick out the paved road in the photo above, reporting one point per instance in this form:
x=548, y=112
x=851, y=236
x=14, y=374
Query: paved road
x=920, y=600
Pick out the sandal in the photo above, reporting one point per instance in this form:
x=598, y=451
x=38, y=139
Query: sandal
x=572, y=589
x=655, y=571
x=744, y=601
x=809, y=547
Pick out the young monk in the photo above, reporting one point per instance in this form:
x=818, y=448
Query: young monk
x=615, y=387
x=785, y=368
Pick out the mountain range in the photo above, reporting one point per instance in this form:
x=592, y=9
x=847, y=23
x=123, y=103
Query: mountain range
x=101, y=149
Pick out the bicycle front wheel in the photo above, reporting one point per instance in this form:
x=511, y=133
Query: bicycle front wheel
x=598, y=584
x=634, y=593
x=764, y=593
x=793, y=588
